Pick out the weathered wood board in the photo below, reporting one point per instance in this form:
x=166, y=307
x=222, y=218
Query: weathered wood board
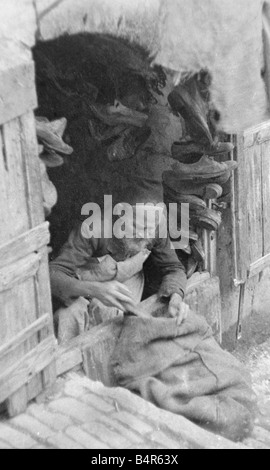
x=18, y=21
x=27, y=342
x=244, y=239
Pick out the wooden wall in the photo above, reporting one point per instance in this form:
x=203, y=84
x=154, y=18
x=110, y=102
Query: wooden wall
x=27, y=342
x=244, y=239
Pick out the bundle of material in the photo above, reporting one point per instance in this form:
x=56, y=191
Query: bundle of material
x=190, y=99
x=95, y=68
x=126, y=129
x=50, y=135
x=183, y=370
x=194, y=184
x=50, y=138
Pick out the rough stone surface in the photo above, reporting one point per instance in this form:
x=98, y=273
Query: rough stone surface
x=81, y=414
x=257, y=359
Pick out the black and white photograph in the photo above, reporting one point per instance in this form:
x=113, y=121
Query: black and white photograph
x=135, y=227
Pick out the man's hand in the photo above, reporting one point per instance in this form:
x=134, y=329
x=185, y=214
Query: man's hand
x=178, y=309
x=111, y=294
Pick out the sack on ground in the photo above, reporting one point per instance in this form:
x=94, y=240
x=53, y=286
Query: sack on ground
x=183, y=370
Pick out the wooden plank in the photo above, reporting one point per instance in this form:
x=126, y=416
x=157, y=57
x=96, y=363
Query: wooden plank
x=44, y=302
x=248, y=211
x=97, y=350
x=196, y=280
x=16, y=273
x=254, y=203
x=30, y=365
x=17, y=90
x=35, y=207
x=257, y=267
x=20, y=153
x=257, y=135
x=16, y=304
x=18, y=20
x=265, y=149
x=68, y=359
x=24, y=335
x=29, y=148
x=21, y=210
x=17, y=402
x=240, y=222
x=240, y=311
x=25, y=244
x=205, y=242
x=25, y=315
x=13, y=208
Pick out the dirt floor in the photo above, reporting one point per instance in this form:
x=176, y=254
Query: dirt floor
x=253, y=350
x=256, y=328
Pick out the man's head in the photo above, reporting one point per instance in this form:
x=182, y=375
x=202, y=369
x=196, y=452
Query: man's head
x=132, y=226
x=135, y=227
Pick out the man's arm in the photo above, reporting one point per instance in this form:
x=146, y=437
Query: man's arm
x=65, y=282
x=174, y=279
x=173, y=272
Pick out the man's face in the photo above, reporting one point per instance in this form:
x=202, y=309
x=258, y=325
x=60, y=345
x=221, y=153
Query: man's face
x=128, y=247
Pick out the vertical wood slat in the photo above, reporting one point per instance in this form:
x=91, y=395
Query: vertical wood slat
x=33, y=194
x=241, y=195
x=266, y=195
x=12, y=224
x=42, y=285
x=248, y=207
x=253, y=193
x=23, y=210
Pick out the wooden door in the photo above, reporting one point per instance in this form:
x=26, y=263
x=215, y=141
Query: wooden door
x=27, y=342
x=251, y=211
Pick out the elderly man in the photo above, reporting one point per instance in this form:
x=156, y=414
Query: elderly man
x=97, y=278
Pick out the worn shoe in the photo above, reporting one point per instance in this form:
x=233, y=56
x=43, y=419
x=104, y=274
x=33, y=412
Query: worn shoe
x=219, y=148
x=193, y=201
x=191, y=152
x=204, y=170
x=207, y=219
x=192, y=109
x=47, y=133
x=128, y=144
x=171, y=183
x=118, y=114
x=213, y=191
x=58, y=126
x=51, y=159
x=104, y=135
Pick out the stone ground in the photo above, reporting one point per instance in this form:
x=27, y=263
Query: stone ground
x=257, y=360
x=81, y=414
x=254, y=351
